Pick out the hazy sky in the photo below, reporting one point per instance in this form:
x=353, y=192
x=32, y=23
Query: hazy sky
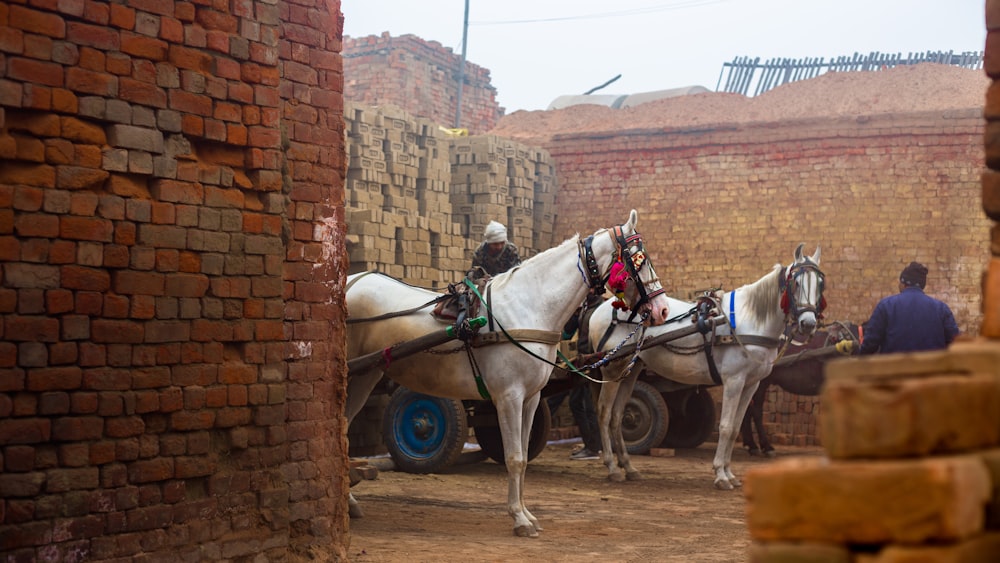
x=538, y=50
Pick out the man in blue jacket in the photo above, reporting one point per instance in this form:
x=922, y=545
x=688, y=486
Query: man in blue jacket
x=909, y=321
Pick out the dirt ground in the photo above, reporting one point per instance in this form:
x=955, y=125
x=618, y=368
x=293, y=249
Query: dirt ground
x=673, y=514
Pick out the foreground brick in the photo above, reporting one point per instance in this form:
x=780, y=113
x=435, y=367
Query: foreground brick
x=868, y=502
x=903, y=405
x=978, y=549
x=798, y=552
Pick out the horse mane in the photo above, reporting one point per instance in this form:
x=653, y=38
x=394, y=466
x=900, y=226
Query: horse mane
x=500, y=279
x=762, y=295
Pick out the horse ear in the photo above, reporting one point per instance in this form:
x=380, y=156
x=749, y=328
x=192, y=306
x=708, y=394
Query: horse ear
x=633, y=218
x=798, y=252
x=815, y=256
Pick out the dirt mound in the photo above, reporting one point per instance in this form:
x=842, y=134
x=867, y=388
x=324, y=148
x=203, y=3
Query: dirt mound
x=902, y=89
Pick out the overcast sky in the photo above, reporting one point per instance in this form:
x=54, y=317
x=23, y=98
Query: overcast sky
x=538, y=50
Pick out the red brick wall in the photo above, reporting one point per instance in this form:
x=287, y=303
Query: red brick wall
x=719, y=207
x=421, y=77
x=171, y=279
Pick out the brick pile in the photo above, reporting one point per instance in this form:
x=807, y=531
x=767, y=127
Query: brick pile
x=151, y=404
x=421, y=77
x=912, y=466
x=418, y=200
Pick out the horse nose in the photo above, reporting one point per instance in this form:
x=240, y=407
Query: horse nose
x=662, y=314
x=808, y=324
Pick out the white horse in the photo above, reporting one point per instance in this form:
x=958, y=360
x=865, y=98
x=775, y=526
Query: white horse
x=529, y=304
x=741, y=351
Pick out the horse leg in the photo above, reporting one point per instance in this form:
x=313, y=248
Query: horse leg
x=606, y=401
x=741, y=408
x=618, y=441
x=359, y=387
x=511, y=419
x=733, y=394
x=527, y=420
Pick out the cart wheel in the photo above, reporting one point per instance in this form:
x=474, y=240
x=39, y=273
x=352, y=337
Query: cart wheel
x=691, y=420
x=645, y=419
x=491, y=441
x=423, y=434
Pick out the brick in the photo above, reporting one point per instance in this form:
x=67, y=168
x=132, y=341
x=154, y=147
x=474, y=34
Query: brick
x=88, y=279
x=186, y=285
x=37, y=276
x=54, y=378
x=192, y=420
x=131, y=137
x=43, y=23
x=85, y=228
x=77, y=428
x=23, y=431
x=143, y=93
x=178, y=192
x=98, y=37
x=139, y=283
x=144, y=47
x=35, y=72
x=985, y=547
x=26, y=328
x=853, y=501
x=78, y=178
x=116, y=331
x=912, y=404
x=89, y=82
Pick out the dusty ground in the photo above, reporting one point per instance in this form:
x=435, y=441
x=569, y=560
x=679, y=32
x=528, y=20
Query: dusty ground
x=673, y=514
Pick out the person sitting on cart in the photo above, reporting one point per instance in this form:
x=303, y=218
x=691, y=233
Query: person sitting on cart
x=495, y=255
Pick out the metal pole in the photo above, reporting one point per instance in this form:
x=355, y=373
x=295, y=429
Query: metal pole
x=461, y=68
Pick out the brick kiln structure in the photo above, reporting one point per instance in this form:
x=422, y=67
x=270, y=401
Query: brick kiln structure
x=421, y=77
x=172, y=280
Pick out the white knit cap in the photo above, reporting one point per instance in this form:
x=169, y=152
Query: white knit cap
x=495, y=232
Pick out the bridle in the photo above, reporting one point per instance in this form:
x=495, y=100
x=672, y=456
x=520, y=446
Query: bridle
x=631, y=254
x=789, y=286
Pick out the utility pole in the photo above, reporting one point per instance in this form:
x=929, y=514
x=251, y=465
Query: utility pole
x=461, y=68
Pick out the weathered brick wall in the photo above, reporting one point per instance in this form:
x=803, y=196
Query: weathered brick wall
x=420, y=77
x=172, y=273
x=719, y=207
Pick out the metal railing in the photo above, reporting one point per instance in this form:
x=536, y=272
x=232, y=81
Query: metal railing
x=744, y=74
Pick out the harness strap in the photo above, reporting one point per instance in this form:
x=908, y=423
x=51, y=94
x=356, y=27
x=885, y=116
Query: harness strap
x=713, y=370
x=519, y=334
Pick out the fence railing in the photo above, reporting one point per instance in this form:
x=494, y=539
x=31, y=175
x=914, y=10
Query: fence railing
x=745, y=75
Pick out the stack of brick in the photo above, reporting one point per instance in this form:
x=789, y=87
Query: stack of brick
x=496, y=179
x=421, y=77
x=912, y=466
x=398, y=207
x=418, y=200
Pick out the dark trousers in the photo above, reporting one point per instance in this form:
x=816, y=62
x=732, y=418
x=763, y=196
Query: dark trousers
x=581, y=404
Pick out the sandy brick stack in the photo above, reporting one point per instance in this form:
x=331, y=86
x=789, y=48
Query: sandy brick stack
x=912, y=471
x=398, y=209
x=418, y=200
x=497, y=179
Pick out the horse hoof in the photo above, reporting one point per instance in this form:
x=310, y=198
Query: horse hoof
x=616, y=478
x=723, y=485
x=526, y=532
x=354, y=511
x=633, y=476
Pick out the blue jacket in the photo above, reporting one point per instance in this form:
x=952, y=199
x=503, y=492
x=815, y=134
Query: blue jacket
x=909, y=321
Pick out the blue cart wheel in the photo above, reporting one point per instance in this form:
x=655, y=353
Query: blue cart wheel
x=424, y=434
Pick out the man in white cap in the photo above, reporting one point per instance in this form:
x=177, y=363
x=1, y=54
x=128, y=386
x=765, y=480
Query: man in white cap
x=495, y=255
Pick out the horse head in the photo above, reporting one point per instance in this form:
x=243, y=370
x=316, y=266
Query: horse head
x=632, y=276
x=802, y=292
